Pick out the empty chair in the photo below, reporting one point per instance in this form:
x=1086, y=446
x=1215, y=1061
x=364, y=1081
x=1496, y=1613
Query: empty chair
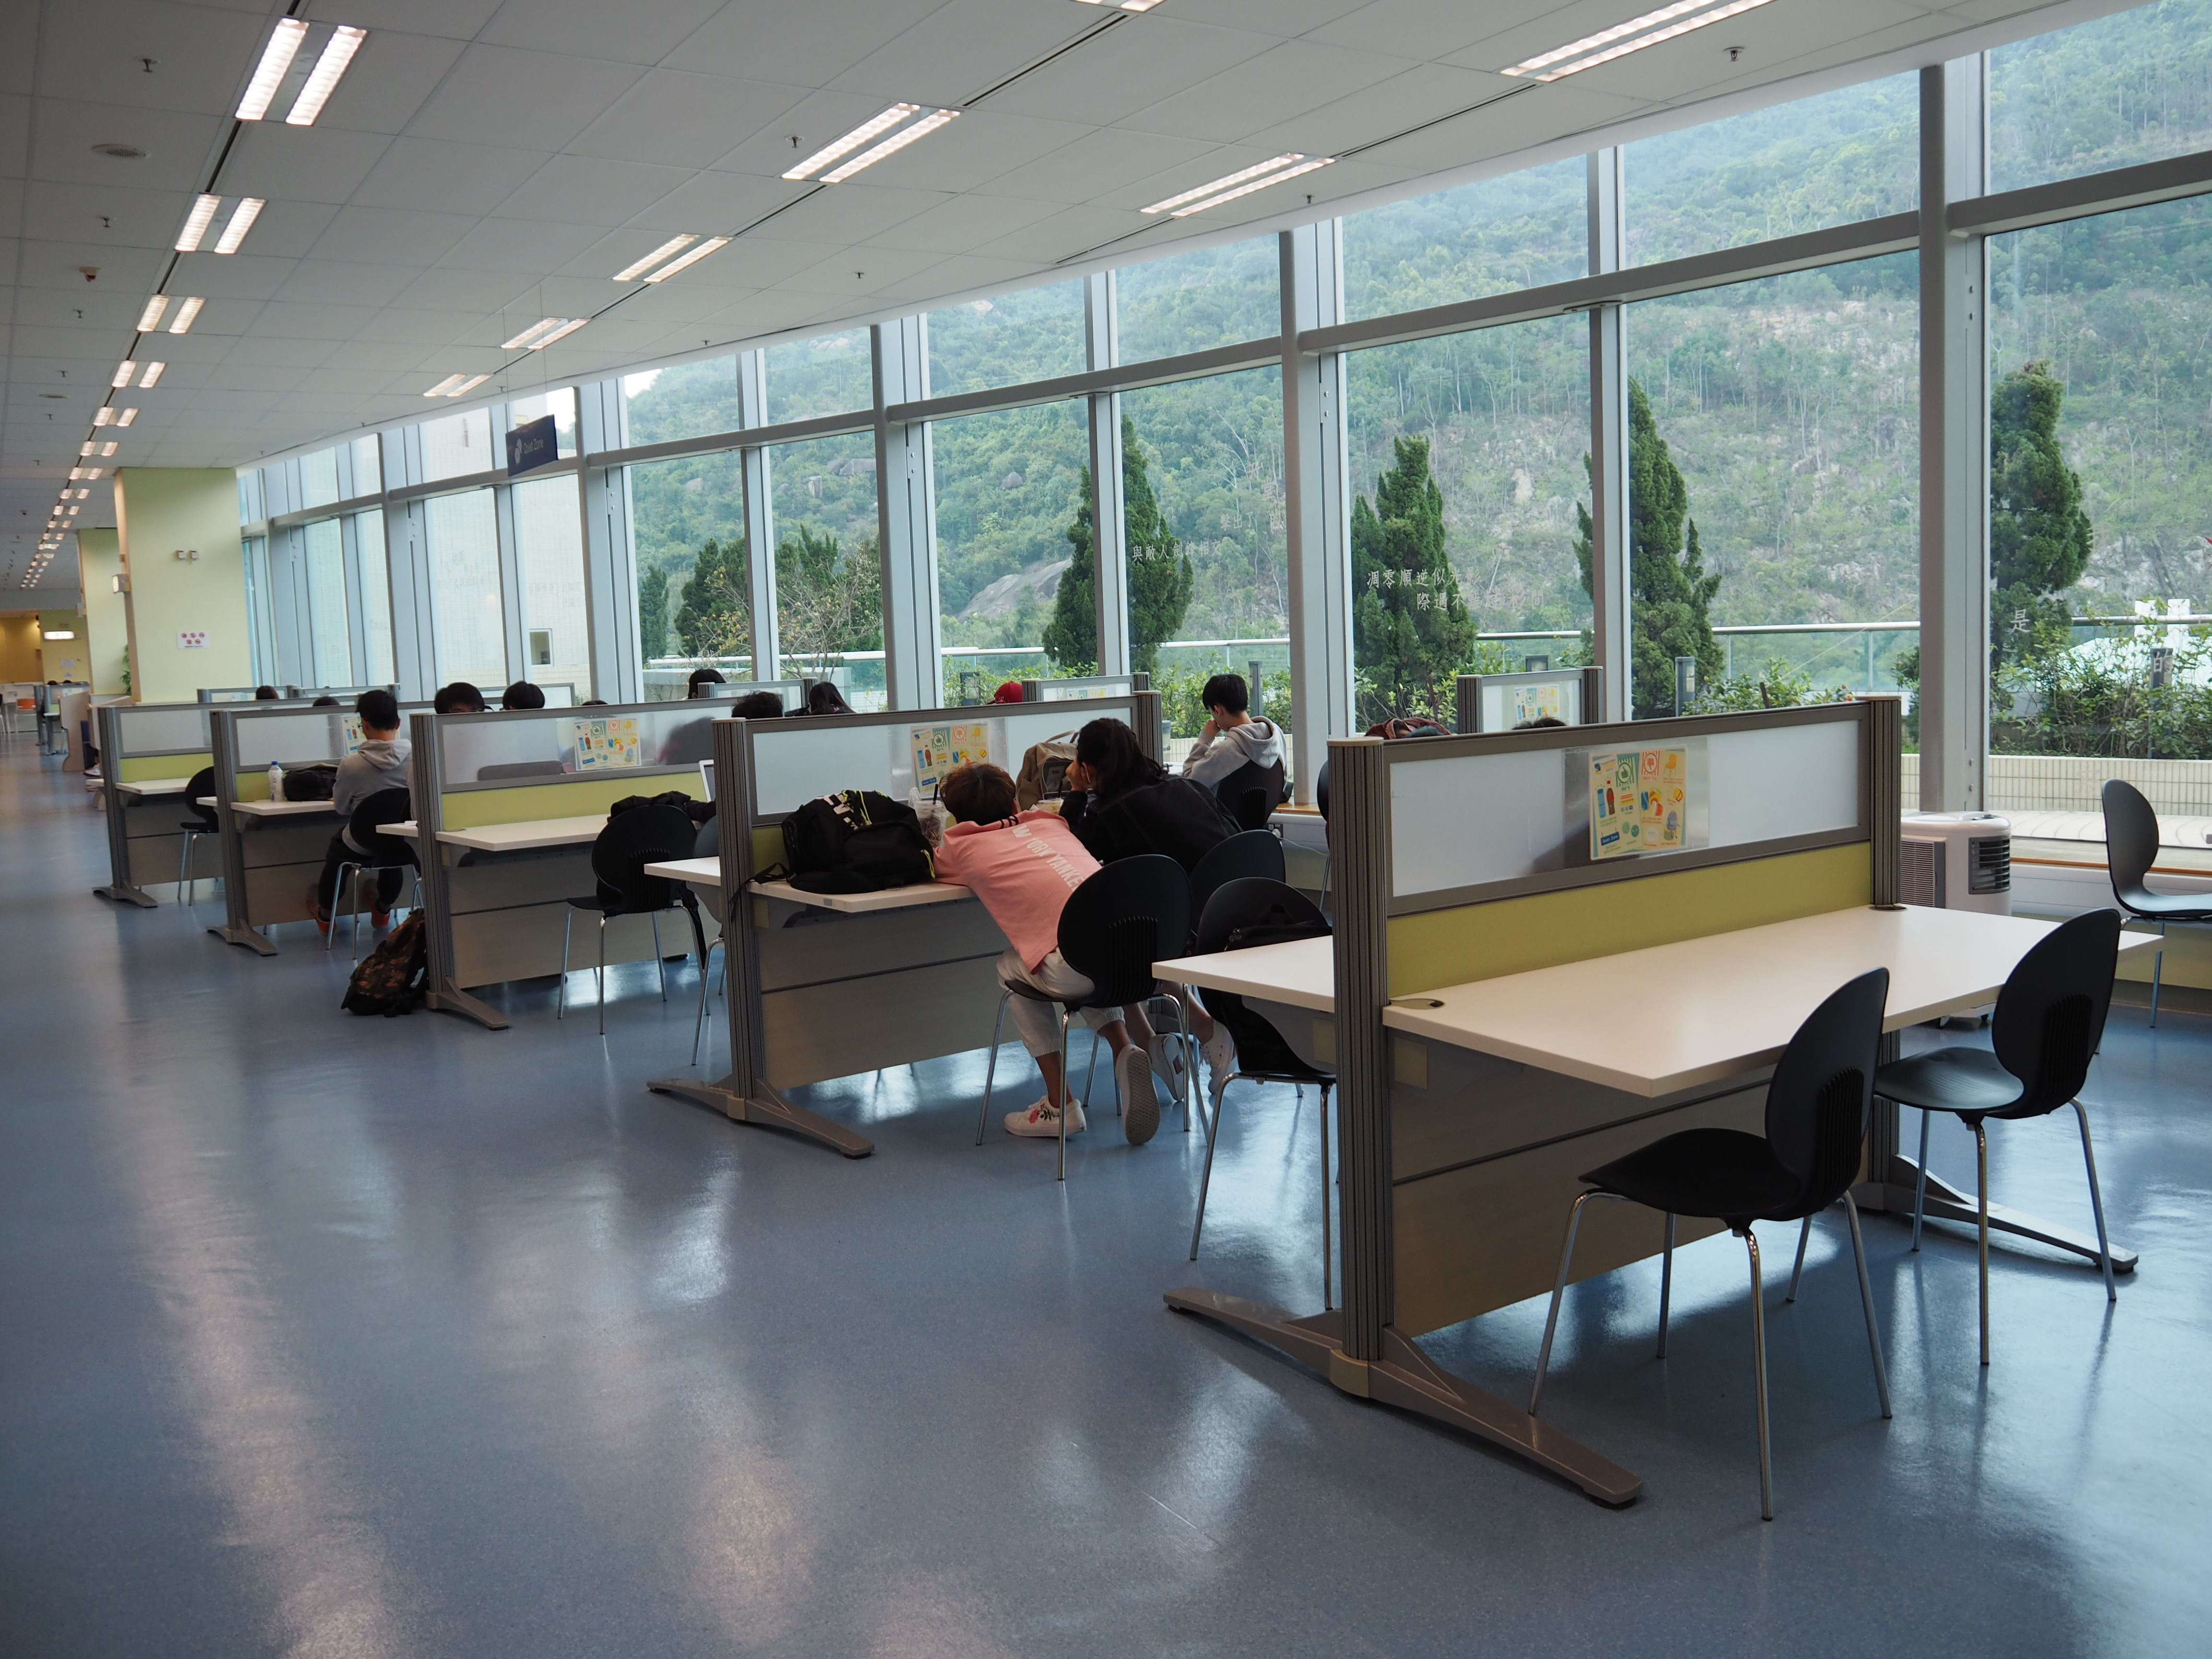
x=2049, y=1021
x=1125, y=917
x=1817, y=1109
x=202, y=822
x=1252, y=793
x=1248, y=852
x=642, y=835
x=379, y=852
x=536, y=769
x=1254, y=911
x=2131, y=850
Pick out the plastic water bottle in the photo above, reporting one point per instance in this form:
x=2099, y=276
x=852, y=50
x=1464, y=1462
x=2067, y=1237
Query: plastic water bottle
x=276, y=782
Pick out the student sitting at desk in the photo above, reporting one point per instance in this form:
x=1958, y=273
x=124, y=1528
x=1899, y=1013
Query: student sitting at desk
x=522, y=695
x=1232, y=738
x=459, y=698
x=757, y=706
x=381, y=763
x=1023, y=866
x=701, y=679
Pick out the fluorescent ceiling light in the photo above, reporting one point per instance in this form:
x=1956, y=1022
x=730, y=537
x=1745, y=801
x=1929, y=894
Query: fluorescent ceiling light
x=152, y=376
x=127, y=417
x=187, y=310
x=891, y=146
x=77, y=472
x=63, y=634
x=443, y=386
x=109, y=448
x=1222, y=184
x=323, y=79
x=241, y=221
x=196, y=223
x=74, y=509
x=1125, y=5
x=529, y=336
x=560, y=333
x=102, y=416
x=688, y=259
x=1305, y=166
x=150, y=319
x=852, y=140
x=123, y=371
x=268, y=73
x=87, y=447
x=93, y=472
x=83, y=495
x=631, y=272
x=1637, y=33
x=469, y=385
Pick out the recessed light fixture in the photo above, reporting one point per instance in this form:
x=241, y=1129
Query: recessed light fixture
x=119, y=152
x=529, y=337
x=123, y=371
x=241, y=221
x=109, y=448
x=323, y=79
x=891, y=146
x=187, y=311
x=93, y=472
x=852, y=140
x=152, y=376
x=688, y=259
x=1125, y=5
x=87, y=447
x=127, y=417
x=268, y=73
x=1272, y=171
x=1637, y=33
x=77, y=472
x=84, y=494
x=150, y=319
x=454, y=385
x=196, y=223
x=560, y=333
x=674, y=244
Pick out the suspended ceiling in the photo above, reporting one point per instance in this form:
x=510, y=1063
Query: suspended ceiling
x=484, y=163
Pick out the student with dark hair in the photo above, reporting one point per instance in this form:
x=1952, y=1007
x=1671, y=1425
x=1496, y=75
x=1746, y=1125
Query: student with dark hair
x=264, y=694
x=459, y=698
x=522, y=695
x=702, y=677
x=824, y=698
x=757, y=706
x=1232, y=740
x=381, y=763
x=325, y=701
x=1023, y=866
x=1542, y=722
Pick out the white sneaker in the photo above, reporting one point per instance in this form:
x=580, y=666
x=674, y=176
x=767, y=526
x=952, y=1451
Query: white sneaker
x=1141, y=1101
x=1168, y=1064
x=1220, y=1051
x=1043, y=1120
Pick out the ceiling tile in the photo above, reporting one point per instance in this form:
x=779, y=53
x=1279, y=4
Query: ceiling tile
x=280, y=320
x=591, y=28
x=759, y=263
x=390, y=236
x=709, y=203
x=1066, y=234
x=283, y=230
x=972, y=151
x=1101, y=164
x=1425, y=93
x=431, y=174
x=177, y=146
x=460, y=19
x=798, y=45
x=960, y=275
x=239, y=276
x=1146, y=59
x=958, y=225
x=590, y=190
x=201, y=56
x=682, y=120
x=802, y=129
x=1287, y=80
x=964, y=47
x=389, y=78
x=305, y=164
x=345, y=282
x=862, y=271
x=531, y=99
x=529, y=248
x=1288, y=18
x=848, y=213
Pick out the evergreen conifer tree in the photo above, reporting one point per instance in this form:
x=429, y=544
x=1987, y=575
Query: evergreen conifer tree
x=2040, y=538
x=824, y=603
x=652, y=611
x=712, y=619
x=1414, y=632
x=1160, y=576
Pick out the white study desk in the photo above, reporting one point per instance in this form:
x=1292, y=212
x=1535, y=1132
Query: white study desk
x=276, y=809
x=154, y=787
x=526, y=836
x=708, y=872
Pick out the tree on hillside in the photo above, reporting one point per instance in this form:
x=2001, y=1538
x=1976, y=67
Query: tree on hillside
x=827, y=602
x=1159, y=573
x=712, y=619
x=1412, y=630
x=1670, y=595
x=2040, y=538
x=652, y=611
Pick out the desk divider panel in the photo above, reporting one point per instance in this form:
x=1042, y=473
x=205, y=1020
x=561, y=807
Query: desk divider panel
x=143, y=743
x=1498, y=703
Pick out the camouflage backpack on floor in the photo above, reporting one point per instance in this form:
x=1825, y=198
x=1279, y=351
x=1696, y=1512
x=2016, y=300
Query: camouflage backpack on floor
x=392, y=980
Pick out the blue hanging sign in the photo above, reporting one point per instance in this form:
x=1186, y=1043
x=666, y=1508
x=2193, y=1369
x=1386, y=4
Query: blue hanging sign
x=531, y=445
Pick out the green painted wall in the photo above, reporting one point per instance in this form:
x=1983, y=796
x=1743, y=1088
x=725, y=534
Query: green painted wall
x=107, y=619
x=159, y=510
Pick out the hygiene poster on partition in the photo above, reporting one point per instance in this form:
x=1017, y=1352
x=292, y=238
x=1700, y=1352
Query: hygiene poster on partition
x=1639, y=801
x=600, y=745
x=1532, y=702
x=937, y=749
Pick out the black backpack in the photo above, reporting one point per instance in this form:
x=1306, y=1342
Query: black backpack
x=855, y=842
x=391, y=981
x=311, y=782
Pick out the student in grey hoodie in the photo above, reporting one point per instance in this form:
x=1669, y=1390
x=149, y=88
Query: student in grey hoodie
x=381, y=763
x=1233, y=739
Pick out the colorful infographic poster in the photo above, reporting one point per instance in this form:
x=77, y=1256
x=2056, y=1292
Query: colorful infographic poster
x=937, y=749
x=1639, y=801
x=1532, y=702
x=353, y=735
x=603, y=745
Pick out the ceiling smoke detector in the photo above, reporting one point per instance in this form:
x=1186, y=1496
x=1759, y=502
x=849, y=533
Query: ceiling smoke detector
x=119, y=152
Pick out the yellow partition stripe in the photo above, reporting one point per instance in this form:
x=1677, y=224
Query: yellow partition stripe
x=527, y=803
x=137, y=768
x=1541, y=930
x=767, y=846
x=250, y=786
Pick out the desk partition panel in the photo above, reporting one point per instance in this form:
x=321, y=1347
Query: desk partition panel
x=1498, y=703
x=1084, y=688
x=159, y=745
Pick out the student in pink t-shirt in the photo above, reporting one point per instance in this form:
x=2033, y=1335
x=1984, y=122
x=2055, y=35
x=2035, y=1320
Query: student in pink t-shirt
x=1023, y=866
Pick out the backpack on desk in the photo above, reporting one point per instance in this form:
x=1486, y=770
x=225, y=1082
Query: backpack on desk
x=391, y=981
x=855, y=842
x=311, y=783
x=1044, y=770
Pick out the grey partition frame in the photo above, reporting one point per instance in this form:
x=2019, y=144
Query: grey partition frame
x=1358, y=1347
x=1467, y=718
x=745, y=1094
x=309, y=693
x=124, y=883
x=227, y=693
x=239, y=927
x=1094, y=687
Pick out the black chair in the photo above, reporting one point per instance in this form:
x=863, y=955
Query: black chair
x=1817, y=1108
x=642, y=835
x=2131, y=850
x=1252, y=793
x=1257, y=903
x=1127, y=916
x=1248, y=852
x=1321, y=805
x=202, y=822
x=2049, y=1021
x=378, y=852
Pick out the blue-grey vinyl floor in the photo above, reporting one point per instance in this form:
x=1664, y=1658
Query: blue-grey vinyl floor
x=326, y=1336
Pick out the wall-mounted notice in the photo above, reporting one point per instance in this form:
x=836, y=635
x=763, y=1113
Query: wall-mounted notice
x=353, y=735
x=1639, y=801
x=1532, y=702
x=603, y=745
x=193, y=639
x=937, y=749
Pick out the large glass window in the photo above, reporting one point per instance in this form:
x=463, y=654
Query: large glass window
x=829, y=374
x=2100, y=490
x=375, y=596
x=1774, y=474
x=2137, y=87
x=1011, y=488
x=1468, y=463
x=688, y=524
x=459, y=444
x=1192, y=301
x=318, y=478
x=1843, y=156
x=690, y=400
x=326, y=603
x=828, y=572
x=1520, y=231
x=556, y=647
x=468, y=626
x=559, y=402
x=367, y=466
x=1009, y=340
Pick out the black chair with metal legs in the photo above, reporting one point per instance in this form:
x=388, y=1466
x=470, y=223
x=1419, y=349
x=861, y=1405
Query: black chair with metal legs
x=2049, y=1021
x=2131, y=850
x=707, y=843
x=1818, y=1104
x=202, y=822
x=1247, y=854
x=1242, y=914
x=364, y=831
x=642, y=835
x=1122, y=919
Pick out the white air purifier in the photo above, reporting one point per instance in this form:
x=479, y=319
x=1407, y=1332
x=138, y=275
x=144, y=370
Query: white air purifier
x=1956, y=861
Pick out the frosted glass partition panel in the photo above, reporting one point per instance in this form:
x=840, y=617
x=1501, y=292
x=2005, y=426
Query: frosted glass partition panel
x=1470, y=820
x=159, y=729
x=1509, y=699
x=1782, y=780
x=641, y=737
x=792, y=692
x=291, y=738
x=1082, y=690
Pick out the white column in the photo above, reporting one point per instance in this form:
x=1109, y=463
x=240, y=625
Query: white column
x=1318, y=508
x=760, y=518
x=406, y=543
x=617, y=655
x=906, y=518
x=1109, y=512
x=1609, y=508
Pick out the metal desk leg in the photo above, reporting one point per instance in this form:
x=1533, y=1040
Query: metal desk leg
x=1946, y=1203
x=764, y=1105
